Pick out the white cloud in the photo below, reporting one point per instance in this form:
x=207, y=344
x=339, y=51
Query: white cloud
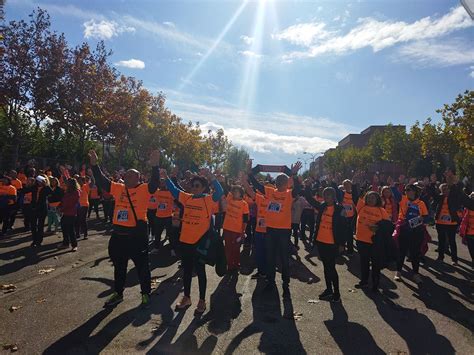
x=131, y=63
x=169, y=24
x=104, y=29
x=251, y=54
x=471, y=74
x=431, y=53
x=370, y=32
x=247, y=40
x=304, y=34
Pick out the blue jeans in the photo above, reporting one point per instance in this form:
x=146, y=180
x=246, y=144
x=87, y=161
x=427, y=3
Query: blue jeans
x=260, y=252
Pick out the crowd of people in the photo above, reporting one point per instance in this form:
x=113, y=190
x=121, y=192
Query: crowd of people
x=384, y=220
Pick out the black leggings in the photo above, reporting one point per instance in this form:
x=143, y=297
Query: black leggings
x=307, y=219
x=410, y=240
x=447, y=232
x=81, y=221
x=67, y=226
x=161, y=224
x=368, y=257
x=328, y=253
x=94, y=205
x=190, y=262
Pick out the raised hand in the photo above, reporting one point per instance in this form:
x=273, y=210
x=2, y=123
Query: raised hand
x=296, y=167
x=154, y=158
x=163, y=174
x=93, y=158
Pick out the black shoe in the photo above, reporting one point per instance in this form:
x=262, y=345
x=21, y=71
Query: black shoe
x=257, y=275
x=327, y=294
x=362, y=285
x=336, y=298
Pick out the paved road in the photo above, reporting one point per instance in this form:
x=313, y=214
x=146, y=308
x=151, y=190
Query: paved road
x=61, y=311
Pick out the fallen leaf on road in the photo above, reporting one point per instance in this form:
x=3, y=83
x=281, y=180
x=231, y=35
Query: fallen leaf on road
x=46, y=271
x=313, y=301
x=352, y=290
x=56, y=258
x=8, y=287
x=41, y=300
x=297, y=315
x=11, y=347
x=154, y=282
x=310, y=280
x=15, y=308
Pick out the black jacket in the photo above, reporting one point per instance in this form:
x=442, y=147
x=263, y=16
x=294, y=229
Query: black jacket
x=454, y=203
x=339, y=223
x=385, y=248
x=56, y=195
x=39, y=202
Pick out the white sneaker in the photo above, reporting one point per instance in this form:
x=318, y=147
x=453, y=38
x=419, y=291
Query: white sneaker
x=417, y=279
x=398, y=276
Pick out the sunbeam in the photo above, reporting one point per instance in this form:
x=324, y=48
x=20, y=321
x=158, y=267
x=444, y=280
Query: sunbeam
x=216, y=43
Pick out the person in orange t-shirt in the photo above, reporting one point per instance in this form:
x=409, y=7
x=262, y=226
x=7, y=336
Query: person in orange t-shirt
x=94, y=199
x=446, y=225
x=330, y=237
x=235, y=220
x=370, y=214
x=81, y=221
x=129, y=239
x=164, y=213
x=196, y=222
x=18, y=186
x=467, y=230
x=7, y=200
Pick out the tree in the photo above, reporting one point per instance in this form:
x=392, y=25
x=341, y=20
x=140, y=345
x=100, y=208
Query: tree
x=236, y=161
x=219, y=146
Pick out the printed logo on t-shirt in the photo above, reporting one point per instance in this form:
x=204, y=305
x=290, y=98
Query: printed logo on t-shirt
x=446, y=218
x=415, y=222
x=122, y=216
x=162, y=206
x=348, y=208
x=261, y=222
x=274, y=207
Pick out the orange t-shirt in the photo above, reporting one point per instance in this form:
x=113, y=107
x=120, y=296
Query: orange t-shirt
x=416, y=210
x=470, y=223
x=348, y=204
x=123, y=214
x=84, y=198
x=279, y=208
x=444, y=216
x=22, y=177
x=9, y=190
x=388, y=207
x=17, y=183
x=234, y=213
x=368, y=216
x=360, y=204
x=94, y=192
x=196, y=219
x=164, y=204
x=325, y=233
x=262, y=205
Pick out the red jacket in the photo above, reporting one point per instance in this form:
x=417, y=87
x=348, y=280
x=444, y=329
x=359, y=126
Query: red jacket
x=70, y=203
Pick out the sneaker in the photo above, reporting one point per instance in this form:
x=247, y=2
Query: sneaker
x=398, y=276
x=326, y=294
x=257, y=275
x=201, y=307
x=184, y=303
x=336, y=298
x=362, y=285
x=145, y=300
x=113, y=300
x=74, y=249
x=417, y=279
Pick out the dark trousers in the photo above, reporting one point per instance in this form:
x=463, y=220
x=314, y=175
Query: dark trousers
x=295, y=231
x=81, y=221
x=250, y=231
x=190, y=262
x=410, y=240
x=174, y=238
x=151, y=215
x=307, y=219
x=328, y=254
x=161, y=224
x=470, y=246
x=368, y=258
x=5, y=218
x=123, y=247
x=27, y=216
x=219, y=222
x=37, y=225
x=277, y=244
x=108, y=206
x=232, y=241
x=350, y=234
x=69, y=235
x=94, y=205
x=260, y=252
x=447, y=232
x=13, y=211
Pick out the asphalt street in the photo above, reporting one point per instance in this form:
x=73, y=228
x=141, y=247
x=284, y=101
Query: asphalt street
x=56, y=306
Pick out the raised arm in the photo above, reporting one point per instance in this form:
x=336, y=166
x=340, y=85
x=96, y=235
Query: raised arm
x=155, y=171
x=246, y=186
x=101, y=180
x=311, y=200
x=256, y=185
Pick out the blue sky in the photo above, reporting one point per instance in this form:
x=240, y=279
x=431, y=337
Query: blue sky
x=282, y=77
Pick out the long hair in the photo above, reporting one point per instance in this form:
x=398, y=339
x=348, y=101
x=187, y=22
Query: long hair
x=378, y=202
x=72, y=185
